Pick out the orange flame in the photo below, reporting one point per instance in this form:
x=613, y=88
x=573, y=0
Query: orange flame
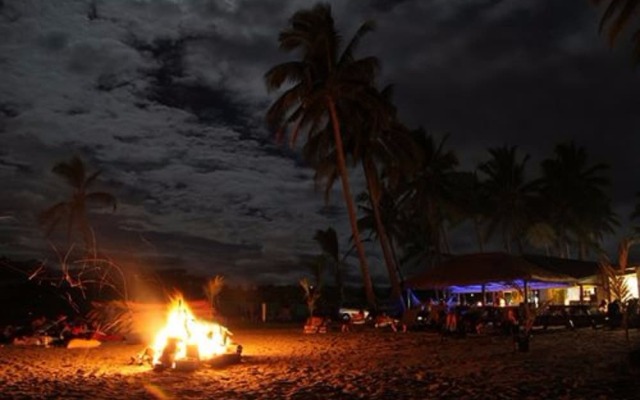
x=188, y=333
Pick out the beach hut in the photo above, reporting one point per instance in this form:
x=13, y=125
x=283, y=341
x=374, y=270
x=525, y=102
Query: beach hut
x=489, y=272
x=589, y=285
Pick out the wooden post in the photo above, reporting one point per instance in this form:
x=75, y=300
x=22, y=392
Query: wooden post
x=484, y=293
x=581, y=287
x=409, y=293
x=526, y=293
x=638, y=278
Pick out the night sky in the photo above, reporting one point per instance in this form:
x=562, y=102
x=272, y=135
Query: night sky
x=167, y=98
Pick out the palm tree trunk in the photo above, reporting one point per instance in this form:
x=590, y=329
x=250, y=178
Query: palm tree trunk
x=396, y=261
x=339, y=282
x=374, y=195
x=351, y=209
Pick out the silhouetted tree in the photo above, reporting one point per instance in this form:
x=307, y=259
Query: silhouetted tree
x=510, y=194
x=74, y=211
x=328, y=241
x=325, y=80
x=430, y=194
x=578, y=206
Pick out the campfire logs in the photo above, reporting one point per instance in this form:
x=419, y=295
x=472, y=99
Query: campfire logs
x=185, y=342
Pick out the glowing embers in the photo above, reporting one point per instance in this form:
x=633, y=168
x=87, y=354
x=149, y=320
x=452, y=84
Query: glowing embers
x=185, y=342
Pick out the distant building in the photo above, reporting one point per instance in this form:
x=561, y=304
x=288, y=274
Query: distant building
x=502, y=277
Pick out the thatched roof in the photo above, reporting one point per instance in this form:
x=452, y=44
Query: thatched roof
x=586, y=272
x=484, y=268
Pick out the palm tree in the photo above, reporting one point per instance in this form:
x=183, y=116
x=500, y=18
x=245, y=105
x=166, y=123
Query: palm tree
x=470, y=202
x=577, y=203
x=395, y=218
x=325, y=83
x=212, y=289
x=510, y=194
x=328, y=241
x=388, y=153
x=431, y=192
x=311, y=294
x=374, y=221
x=598, y=220
x=384, y=149
x=618, y=15
x=635, y=214
x=541, y=235
x=74, y=210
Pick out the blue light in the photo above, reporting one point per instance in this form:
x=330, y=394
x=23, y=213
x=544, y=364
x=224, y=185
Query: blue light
x=507, y=286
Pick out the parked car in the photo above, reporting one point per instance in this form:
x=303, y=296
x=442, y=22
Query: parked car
x=354, y=315
x=573, y=316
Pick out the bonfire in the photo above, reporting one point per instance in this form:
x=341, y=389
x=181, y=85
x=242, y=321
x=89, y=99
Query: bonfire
x=185, y=341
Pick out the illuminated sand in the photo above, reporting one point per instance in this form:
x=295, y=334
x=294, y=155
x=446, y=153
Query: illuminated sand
x=284, y=363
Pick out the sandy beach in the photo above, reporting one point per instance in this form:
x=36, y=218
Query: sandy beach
x=280, y=363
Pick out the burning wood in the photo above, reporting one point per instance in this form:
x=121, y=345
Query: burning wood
x=185, y=342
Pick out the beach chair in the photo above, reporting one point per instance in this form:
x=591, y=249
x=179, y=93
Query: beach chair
x=316, y=325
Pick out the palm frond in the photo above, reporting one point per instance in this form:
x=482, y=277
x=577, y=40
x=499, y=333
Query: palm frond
x=213, y=287
x=287, y=72
x=73, y=172
x=87, y=182
x=348, y=52
x=51, y=217
x=617, y=15
x=617, y=284
x=278, y=113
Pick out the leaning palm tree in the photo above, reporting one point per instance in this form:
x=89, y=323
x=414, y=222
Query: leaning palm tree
x=325, y=83
x=391, y=218
x=619, y=15
x=74, y=211
x=387, y=152
x=384, y=149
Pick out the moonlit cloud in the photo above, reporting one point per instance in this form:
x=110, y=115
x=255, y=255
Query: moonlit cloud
x=199, y=180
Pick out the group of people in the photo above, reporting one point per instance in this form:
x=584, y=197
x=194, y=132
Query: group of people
x=450, y=318
x=41, y=330
x=438, y=315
